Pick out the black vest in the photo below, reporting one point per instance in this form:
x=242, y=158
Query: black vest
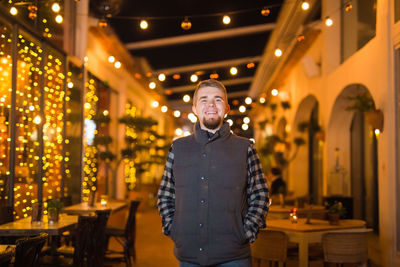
x=210, y=197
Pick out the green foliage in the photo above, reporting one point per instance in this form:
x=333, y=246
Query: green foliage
x=273, y=106
x=138, y=123
x=299, y=141
x=303, y=126
x=128, y=153
x=337, y=208
x=285, y=105
x=101, y=119
x=54, y=203
x=107, y=155
x=361, y=102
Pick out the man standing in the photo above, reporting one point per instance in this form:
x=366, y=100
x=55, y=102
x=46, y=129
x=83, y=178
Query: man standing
x=213, y=197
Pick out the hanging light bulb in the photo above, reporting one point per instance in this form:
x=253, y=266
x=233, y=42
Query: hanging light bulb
x=186, y=98
x=274, y=92
x=194, y=78
x=214, y=75
x=59, y=19
x=56, y=7
x=265, y=11
x=111, y=59
x=186, y=24
x=226, y=20
x=102, y=23
x=300, y=38
x=143, y=24
x=305, y=5
x=278, y=52
x=233, y=70
x=13, y=11
x=328, y=21
x=161, y=77
x=348, y=7
x=32, y=11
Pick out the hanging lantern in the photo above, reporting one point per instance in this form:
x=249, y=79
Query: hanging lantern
x=32, y=11
x=265, y=11
x=186, y=24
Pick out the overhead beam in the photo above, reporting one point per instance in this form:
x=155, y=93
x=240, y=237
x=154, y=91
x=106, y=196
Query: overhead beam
x=209, y=65
x=200, y=37
x=191, y=87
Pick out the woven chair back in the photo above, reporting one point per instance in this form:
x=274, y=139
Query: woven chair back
x=27, y=250
x=270, y=246
x=345, y=247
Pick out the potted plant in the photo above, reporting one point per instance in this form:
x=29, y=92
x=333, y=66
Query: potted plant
x=335, y=211
x=365, y=104
x=54, y=206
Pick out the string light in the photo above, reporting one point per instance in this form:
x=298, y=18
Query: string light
x=248, y=100
x=194, y=78
x=300, y=38
x=55, y=7
x=164, y=109
x=214, y=76
x=176, y=76
x=152, y=85
x=250, y=65
x=102, y=23
x=278, y=52
x=262, y=100
x=242, y=109
x=13, y=11
x=328, y=21
x=186, y=24
x=348, y=7
x=274, y=92
x=177, y=113
x=265, y=11
x=186, y=98
x=226, y=20
x=246, y=120
x=161, y=77
x=233, y=70
x=32, y=11
x=143, y=24
x=245, y=127
x=111, y=59
x=192, y=117
x=230, y=122
x=305, y=5
x=59, y=19
x=154, y=104
x=117, y=64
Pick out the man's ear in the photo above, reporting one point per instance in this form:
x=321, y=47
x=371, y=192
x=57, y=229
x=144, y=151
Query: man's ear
x=227, y=108
x=194, y=110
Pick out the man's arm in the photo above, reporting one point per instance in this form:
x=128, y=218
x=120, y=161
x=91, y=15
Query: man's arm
x=166, y=195
x=257, y=196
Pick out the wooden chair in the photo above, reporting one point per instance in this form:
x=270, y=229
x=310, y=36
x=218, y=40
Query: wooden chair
x=270, y=246
x=27, y=250
x=6, y=256
x=345, y=247
x=97, y=245
x=74, y=255
x=125, y=236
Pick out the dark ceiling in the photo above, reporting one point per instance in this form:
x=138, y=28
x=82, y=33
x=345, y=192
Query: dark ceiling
x=209, y=47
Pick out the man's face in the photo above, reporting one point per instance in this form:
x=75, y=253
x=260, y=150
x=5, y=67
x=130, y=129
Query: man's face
x=210, y=107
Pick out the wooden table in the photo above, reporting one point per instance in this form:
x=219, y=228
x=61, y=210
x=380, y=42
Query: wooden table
x=279, y=212
x=84, y=208
x=303, y=234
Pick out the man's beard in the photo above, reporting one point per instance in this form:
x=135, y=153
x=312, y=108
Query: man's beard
x=212, y=124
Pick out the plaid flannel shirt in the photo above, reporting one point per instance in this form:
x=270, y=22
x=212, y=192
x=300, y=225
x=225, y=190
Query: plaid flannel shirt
x=257, y=195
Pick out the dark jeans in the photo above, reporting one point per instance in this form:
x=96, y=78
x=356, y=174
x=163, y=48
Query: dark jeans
x=236, y=263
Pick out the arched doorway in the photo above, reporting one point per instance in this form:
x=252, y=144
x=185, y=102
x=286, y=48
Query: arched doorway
x=352, y=157
x=308, y=176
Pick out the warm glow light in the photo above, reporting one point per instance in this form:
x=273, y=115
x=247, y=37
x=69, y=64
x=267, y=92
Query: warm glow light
x=37, y=119
x=59, y=19
x=154, y=104
x=186, y=98
x=56, y=7
x=214, y=76
x=194, y=78
x=262, y=100
x=186, y=133
x=245, y=127
x=328, y=22
x=152, y=85
x=13, y=11
x=106, y=112
x=248, y=100
x=377, y=132
x=144, y=25
x=164, y=109
x=192, y=117
x=111, y=59
x=233, y=70
x=242, y=109
x=176, y=76
x=70, y=85
x=274, y=92
x=250, y=65
x=305, y=5
x=226, y=20
x=278, y=52
x=117, y=65
x=230, y=122
x=246, y=120
x=177, y=113
x=178, y=131
x=186, y=24
x=265, y=12
x=348, y=7
x=161, y=77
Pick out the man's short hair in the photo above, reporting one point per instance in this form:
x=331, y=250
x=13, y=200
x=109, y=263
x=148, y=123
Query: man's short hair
x=210, y=83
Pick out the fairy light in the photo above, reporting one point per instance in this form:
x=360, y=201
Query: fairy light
x=186, y=98
x=164, y=109
x=192, y=117
x=59, y=19
x=186, y=24
x=143, y=24
x=328, y=21
x=242, y=109
x=177, y=113
x=274, y=92
x=226, y=20
x=178, y=132
x=117, y=65
x=56, y=7
x=233, y=70
x=154, y=104
x=194, y=78
x=248, y=100
x=246, y=120
x=305, y=5
x=245, y=127
x=278, y=52
x=13, y=11
x=111, y=59
x=152, y=85
x=265, y=11
x=161, y=77
x=230, y=122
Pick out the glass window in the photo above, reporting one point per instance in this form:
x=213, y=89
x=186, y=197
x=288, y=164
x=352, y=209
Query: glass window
x=5, y=107
x=358, y=25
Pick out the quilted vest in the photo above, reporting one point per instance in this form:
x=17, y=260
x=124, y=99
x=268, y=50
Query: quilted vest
x=210, y=197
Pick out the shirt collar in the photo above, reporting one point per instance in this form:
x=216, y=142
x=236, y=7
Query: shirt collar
x=204, y=136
